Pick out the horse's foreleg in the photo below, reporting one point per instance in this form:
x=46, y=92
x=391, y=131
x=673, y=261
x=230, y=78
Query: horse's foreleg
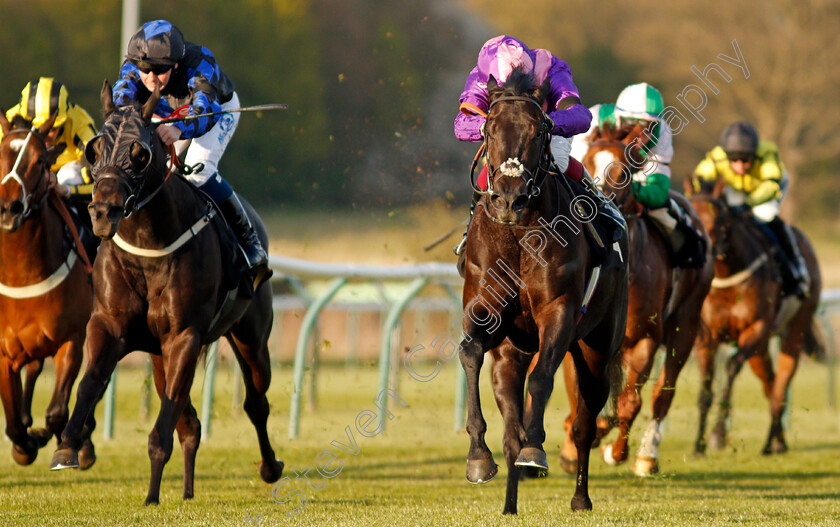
x=786, y=367
x=717, y=439
x=555, y=339
x=706, y=364
x=638, y=361
x=679, y=339
x=33, y=370
x=509, y=370
x=762, y=367
x=180, y=358
x=68, y=361
x=593, y=390
x=480, y=465
x=103, y=350
x=24, y=446
x=568, y=453
x=256, y=372
x=188, y=427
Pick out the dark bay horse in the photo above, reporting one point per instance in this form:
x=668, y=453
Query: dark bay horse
x=745, y=307
x=664, y=307
x=161, y=286
x=45, y=295
x=525, y=292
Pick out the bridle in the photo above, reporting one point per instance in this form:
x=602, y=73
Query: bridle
x=28, y=201
x=533, y=181
x=134, y=183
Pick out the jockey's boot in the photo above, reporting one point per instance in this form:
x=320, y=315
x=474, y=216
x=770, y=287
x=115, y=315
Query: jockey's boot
x=458, y=249
x=796, y=279
x=686, y=244
x=608, y=213
x=242, y=228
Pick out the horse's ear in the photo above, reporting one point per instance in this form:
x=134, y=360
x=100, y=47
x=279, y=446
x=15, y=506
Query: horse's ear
x=106, y=97
x=541, y=93
x=492, y=84
x=48, y=124
x=4, y=123
x=149, y=108
x=720, y=184
x=54, y=151
x=93, y=149
x=688, y=184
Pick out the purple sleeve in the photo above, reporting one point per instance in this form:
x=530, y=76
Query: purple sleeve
x=573, y=120
x=468, y=127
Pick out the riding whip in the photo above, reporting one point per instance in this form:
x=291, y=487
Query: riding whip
x=262, y=107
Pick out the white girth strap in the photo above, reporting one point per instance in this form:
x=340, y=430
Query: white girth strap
x=740, y=276
x=172, y=247
x=44, y=286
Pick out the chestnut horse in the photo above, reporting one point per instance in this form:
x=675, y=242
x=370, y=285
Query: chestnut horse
x=45, y=294
x=525, y=292
x=745, y=307
x=664, y=307
x=161, y=286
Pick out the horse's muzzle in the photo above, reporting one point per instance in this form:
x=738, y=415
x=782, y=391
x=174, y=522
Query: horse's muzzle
x=508, y=209
x=105, y=218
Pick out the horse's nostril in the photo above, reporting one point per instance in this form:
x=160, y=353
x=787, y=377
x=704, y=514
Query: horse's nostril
x=497, y=201
x=16, y=208
x=520, y=203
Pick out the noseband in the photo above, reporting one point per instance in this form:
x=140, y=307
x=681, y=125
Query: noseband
x=533, y=186
x=28, y=198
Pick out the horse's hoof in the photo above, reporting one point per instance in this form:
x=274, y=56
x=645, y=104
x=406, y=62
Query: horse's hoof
x=569, y=465
x=717, y=441
x=607, y=456
x=531, y=456
x=23, y=456
x=645, y=466
x=64, y=458
x=271, y=472
x=581, y=503
x=481, y=470
x=774, y=447
x=87, y=455
x=152, y=501
x=41, y=435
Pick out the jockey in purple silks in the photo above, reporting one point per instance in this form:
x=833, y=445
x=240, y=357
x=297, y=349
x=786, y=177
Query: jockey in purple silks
x=498, y=57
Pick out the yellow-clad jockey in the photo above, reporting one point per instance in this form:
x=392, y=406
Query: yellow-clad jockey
x=73, y=127
x=756, y=177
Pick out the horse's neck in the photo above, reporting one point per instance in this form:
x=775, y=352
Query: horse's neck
x=35, y=250
x=545, y=208
x=164, y=218
x=743, y=248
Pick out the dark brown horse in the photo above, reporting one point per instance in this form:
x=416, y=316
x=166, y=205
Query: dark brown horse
x=745, y=307
x=161, y=286
x=45, y=295
x=527, y=270
x=664, y=306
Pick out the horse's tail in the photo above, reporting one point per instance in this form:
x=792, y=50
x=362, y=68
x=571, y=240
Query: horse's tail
x=818, y=338
x=615, y=376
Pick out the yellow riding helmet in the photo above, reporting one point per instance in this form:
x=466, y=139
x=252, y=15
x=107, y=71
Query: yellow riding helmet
x=40, y=100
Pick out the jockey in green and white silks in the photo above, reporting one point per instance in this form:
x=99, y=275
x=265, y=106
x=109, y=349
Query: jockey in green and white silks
x=642, y=104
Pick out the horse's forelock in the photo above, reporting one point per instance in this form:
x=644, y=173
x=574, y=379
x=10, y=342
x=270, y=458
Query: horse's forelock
x=519, y=82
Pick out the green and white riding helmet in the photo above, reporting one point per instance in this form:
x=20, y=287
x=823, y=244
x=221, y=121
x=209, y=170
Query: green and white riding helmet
x=639, y=102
